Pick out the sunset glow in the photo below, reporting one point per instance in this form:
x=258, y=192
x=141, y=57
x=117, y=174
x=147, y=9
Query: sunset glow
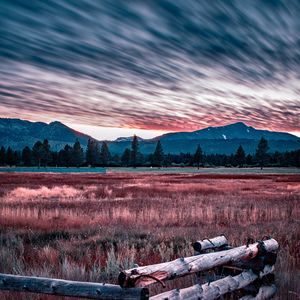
x=151, y=67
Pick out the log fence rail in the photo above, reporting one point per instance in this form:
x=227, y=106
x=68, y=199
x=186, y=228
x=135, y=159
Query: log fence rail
x=244, y=265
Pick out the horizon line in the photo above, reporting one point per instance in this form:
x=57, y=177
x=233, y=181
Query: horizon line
x=118, y=132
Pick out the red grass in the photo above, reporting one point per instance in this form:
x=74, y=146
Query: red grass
x=83, y=226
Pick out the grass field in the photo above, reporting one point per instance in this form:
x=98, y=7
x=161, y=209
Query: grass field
x=89, y=226
x=172, y=170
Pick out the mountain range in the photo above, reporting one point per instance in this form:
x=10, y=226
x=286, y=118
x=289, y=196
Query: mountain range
x=223, y=139
x=20, y=133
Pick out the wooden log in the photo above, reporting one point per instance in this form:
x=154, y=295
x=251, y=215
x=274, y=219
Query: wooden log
x=144, y=276
x=265, y=292
x=213, y=243
x=269, y=245
x=78, y=289
x=215, y=289
x=256, y=264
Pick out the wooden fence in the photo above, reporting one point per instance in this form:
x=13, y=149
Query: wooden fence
x=236, y=268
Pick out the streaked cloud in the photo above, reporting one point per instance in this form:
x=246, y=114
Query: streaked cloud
x=156, y=65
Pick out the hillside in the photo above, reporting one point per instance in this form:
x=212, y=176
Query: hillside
x=20, y=133
x=237, y=130
x=222, y=140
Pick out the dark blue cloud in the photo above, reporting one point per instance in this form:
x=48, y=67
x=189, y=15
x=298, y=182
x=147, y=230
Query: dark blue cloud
x=124, y=58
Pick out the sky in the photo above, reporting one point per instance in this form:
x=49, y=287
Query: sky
x=114, y=68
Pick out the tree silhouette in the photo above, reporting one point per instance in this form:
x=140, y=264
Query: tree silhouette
x=9, y=157
x=54, y=158
x=89, y=152
x=92, y=153
x=46, y=155
x=158, y=155
x=2, y=156
x=67, y=155
x=96, y=154
x=261, y=152
x=115, y=160
x=240, y=156
x=104, y=154
x=198, y=156
x=16, y=158
x=134, y=151
x=77, y=154
x=125, y=159
x=38, y=152
x=249, y=160
x=61, y=157
x=27, y=156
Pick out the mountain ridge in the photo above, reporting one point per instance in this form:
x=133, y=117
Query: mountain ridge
x=19, y=133
x=225, y=139
x=238, y=130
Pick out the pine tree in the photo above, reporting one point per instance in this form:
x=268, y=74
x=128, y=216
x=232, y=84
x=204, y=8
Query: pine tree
x=125, y=159
x=16, y=158
x=61, y=157
x=104, y=154
x=77, y=154
x=134, y=151
x=38, y=152
x=27, y=156
x=277, y=158
x=54, y=158
x=262, y=152
x=9, y=157
x=168, y=160
x=158, y=155
x=198, y=156
x=92, y=153
x=240, y=156
x=2, y=156
x=67, y=155
x=89, y=152
x=96, y=154
x=115, y=160
x=46, y=155
x=249, y=160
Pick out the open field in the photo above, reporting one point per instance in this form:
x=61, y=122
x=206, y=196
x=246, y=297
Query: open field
x=223, y=170
x=88, y=226
x=219, y=170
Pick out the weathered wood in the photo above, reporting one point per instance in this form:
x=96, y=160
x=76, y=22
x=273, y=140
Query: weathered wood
x=144, y=276
x=213, y=243
x=70, y=288
x=265, y=292
x=215, y=289
x=256, y=264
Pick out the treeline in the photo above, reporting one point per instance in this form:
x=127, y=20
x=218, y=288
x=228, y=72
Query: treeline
x=97, y=154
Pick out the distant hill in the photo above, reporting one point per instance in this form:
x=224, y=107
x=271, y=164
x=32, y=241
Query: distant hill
x=209, y=146
x=19, y=133
x=223, y=140
x=127, y=139
x=229, y=132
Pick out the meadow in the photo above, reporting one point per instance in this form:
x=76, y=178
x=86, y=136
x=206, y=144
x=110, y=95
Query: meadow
x=90, y=226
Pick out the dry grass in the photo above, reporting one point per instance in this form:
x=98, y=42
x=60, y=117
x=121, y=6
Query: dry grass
x=88, y=226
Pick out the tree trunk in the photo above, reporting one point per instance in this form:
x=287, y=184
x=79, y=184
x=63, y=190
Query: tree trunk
x=144, y=276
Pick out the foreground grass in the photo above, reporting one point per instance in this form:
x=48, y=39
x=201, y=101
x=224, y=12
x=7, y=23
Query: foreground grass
x=88, y=227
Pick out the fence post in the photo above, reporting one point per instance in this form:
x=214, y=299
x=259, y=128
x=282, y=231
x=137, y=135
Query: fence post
x=79, y=289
